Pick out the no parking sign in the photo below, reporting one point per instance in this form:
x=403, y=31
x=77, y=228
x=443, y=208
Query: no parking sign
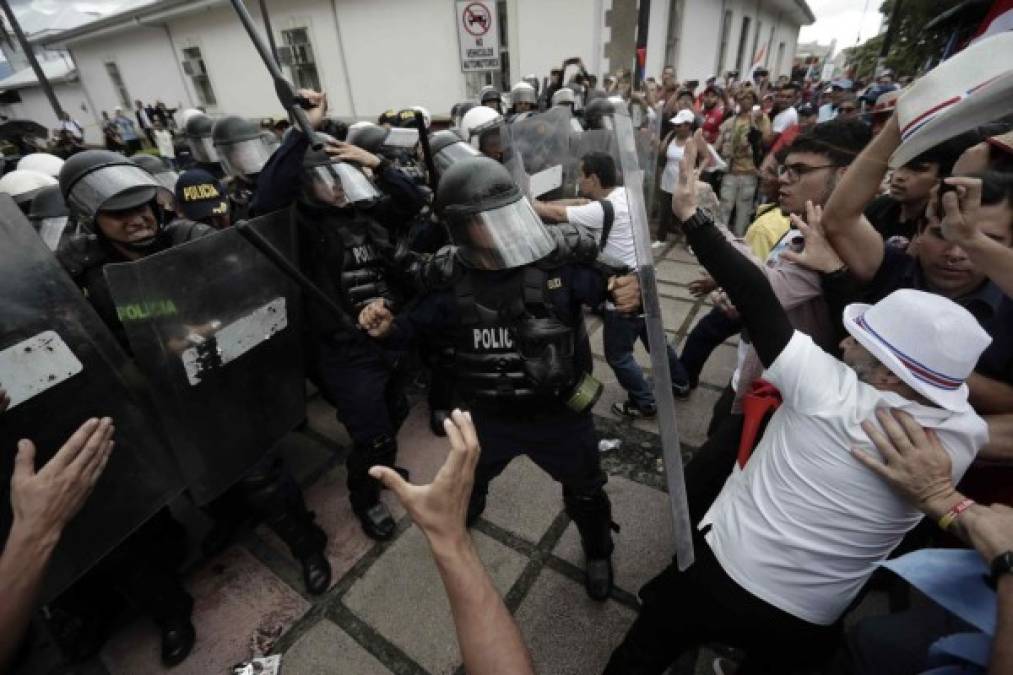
x=478, y=32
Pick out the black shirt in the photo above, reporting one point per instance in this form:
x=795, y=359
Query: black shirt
x=884, y=214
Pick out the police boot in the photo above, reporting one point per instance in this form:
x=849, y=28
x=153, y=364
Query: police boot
x=592, y=514
x=171, y=607
x=364, y=490
x=278, y=499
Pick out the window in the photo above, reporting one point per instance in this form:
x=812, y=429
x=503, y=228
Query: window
x=758, y=55
x=299, y=57
x=121, y=89
x=741, y=54
x=726, y=26
x=193, y=66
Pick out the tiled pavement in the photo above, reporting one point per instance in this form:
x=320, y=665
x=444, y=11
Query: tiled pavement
x=386, y=611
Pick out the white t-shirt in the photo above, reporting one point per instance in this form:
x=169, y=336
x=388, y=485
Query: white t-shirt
x=784, y=119
x=592, y=217
x=673, y=155
x=803, y=525
x=163, y=139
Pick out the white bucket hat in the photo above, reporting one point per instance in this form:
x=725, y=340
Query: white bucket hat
x=928, y=341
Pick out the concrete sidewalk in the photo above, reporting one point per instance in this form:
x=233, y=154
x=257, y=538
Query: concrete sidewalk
x=386, y=611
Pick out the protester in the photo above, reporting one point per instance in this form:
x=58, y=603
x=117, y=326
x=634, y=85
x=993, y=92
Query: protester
x=127, y=131
x=739, y=145
x=163, y=141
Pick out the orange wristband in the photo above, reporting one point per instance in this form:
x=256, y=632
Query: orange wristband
x=950, y=516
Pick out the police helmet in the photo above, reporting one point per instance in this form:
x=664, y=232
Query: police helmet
x=448, y=148
x=48, y=203
x=100, y=180
x=388, y=117
x=562, y=96
x=522, y=92
x=532, y=79
x=43, y=162
x=157, y=167
x=478, y=121
x=427, y=119
x=197, y=131
x=24, y=184
x=491, y=95
x=328, y=181
x=597, y=113
x=241, y=146
x=490, y=221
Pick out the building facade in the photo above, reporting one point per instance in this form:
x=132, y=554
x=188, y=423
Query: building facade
x=371, y=55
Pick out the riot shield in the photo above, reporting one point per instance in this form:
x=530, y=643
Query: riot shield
x=216, y=326
x=633, y=180
x=536, y=152
x=61, y=365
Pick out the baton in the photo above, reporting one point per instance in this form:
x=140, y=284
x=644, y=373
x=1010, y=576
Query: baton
x=427, y=153
x=282, y=87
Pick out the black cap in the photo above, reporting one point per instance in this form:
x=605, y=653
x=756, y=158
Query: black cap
x=200, y=195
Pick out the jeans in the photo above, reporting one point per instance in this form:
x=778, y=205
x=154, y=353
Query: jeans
x=737, y=192
x=620, y=334
x=713, y=329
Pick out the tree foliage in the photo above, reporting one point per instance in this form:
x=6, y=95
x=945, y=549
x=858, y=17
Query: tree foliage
x=913, y=48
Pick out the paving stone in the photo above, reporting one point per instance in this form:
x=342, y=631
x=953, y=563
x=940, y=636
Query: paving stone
x=720, y=366
x=566, y=631
x=321, y=419
x=677, y=272
x=240, y=609
x=614, y=393
x=674, y=313
x=694, y=414
x=679, y=252
x=346, y=542
x=402, y=597
x=675, y=291
x=304, y=456
x=524, y=500
x=325, y=649
x=644, y=543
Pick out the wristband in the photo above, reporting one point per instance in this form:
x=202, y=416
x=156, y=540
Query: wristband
x=950, y=516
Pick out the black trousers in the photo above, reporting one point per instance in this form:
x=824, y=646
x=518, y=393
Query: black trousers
x=713, y=329
x=683, y=610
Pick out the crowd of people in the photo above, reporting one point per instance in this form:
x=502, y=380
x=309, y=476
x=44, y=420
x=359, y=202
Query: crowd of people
x=873, y=383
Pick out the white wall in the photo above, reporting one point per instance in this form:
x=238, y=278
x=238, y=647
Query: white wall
x=657, y=36
x=698, y=45
x=553, y=30
x=146, y=63
x=35, y=106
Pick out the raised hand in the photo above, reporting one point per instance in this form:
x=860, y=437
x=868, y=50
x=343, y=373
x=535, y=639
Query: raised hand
x=817, y=254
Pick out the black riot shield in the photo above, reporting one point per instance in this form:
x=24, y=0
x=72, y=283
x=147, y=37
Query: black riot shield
x=60, y=365
x=216, y=326
x=535, y=151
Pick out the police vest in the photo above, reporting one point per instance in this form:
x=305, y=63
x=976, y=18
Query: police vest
x=363, y=263
x=489, y=363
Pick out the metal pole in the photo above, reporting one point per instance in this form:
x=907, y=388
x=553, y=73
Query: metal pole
x=270, y=33
x=427, y=153
x=282, y=87
x=27, y=48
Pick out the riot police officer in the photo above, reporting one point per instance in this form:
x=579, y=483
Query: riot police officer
x=523, y=99
x=491, y=98
x=512, y=299
x=197, y=128
x=243, y=149
x=482, y=127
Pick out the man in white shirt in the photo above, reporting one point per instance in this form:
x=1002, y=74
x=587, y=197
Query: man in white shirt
x=784, y=111
x=608, y=218
x=799, y=527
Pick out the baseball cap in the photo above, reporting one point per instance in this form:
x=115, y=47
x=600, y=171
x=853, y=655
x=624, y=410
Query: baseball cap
x=200, y=195
x=683, y=117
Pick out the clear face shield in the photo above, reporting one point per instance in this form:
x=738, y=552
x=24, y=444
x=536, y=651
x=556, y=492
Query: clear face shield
x=113, y=188
x=167, y=179
x=339, y=184
x=202, y=149
x=502, y=238
x=453, y=153
x=244, y=158
x=51, y=230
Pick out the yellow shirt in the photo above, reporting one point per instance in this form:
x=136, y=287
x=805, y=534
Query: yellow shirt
x=766, y=230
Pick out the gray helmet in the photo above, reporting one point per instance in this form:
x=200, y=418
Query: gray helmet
x=368, y=136
x=48, y=203
x=523, y=92
x=563, y=95
x=157, y=167
x=597, y=113
x=197, y=132
x=490, y=95
x=242, y=149
x=490, y=221
x=459, y=111
x=328, y=181
x=447, y=148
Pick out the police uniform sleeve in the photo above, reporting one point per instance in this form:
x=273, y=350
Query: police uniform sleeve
x=279, y=181
x=403, y=198
x=432, y=315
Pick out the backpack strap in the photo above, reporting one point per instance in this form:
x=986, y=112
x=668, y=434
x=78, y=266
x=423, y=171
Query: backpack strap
x=610, y=217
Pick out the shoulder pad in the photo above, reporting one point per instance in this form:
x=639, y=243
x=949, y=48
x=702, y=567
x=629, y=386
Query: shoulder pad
x=573, y=244
x=80, y=253
x=182, y=230
x=440, y=270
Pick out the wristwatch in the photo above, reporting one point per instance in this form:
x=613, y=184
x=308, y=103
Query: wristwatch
x=1002, y=564
x=696, y=221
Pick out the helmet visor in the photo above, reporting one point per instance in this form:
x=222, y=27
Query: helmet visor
x=244, y=158
x=452, y=153
x=167, y=179
x=402, y=138
x=202, y=149
x=115, y=188
x=340, y=184
x=51, y=230
x=502, y=238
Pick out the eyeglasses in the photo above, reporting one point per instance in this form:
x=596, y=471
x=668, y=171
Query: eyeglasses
x=793, y=172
